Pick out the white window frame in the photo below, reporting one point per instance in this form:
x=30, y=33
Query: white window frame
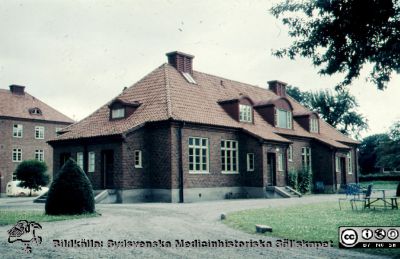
x=138, y=158
x=92, y=162
x=79, y=159
x=306, y=158
x=314, y=125
x=250, y=162
x=337, y=163
x=16, y=155
x=290, y=153
x=228, y=157
x=288, y=115
x=350, y=162
x=18, y=130
x=39, y=155
x=245, y=113
x=198, y=155
x=39, y=132
x=281, y=162
x=118, y=113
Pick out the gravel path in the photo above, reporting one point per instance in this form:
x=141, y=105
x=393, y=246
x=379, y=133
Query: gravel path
x=161, y=221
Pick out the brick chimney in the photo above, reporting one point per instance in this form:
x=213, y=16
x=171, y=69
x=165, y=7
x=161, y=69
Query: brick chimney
x=278, y=87
x=17, y=89
x=181, y=61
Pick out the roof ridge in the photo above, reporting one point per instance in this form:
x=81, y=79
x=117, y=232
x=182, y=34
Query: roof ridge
x=235, y=81
x=167, y=92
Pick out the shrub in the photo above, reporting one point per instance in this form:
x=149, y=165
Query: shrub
x=292, y=179
x=32, y=174
x=380, y=177
x=304, y=180
x=70, y=192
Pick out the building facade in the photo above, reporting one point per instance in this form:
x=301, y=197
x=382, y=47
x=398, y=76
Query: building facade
x=26, y=124
x=179, y=135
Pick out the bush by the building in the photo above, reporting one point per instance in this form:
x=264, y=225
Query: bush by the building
x=70, y=192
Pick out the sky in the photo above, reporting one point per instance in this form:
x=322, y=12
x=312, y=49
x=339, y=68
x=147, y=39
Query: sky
x=78, y=55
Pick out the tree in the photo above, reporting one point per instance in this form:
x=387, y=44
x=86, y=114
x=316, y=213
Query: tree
x=338, y=108
x=389, y=151
x=367, y=156
x=32, y=174
x=342, y=36
x=70, y=192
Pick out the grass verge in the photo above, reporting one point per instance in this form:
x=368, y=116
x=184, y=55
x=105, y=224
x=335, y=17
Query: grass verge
x=12, y=216
x=314, y=222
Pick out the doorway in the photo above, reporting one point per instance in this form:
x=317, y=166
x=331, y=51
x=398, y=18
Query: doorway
x=107, y=169
x=63, y=158
x=271, y=163
x=343, y=170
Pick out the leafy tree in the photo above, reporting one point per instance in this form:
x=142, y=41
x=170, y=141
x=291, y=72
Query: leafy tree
x=389, y=151
x=70, y=192
x=32, y=174
x=338, y=108
x=368, y=157
x=342, y=36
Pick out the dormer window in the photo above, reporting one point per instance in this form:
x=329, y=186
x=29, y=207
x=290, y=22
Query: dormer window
x=120, y=109
x=35, y=111
x=283, y=119
x=118, y=113
x=245, y=113
x=314, y=125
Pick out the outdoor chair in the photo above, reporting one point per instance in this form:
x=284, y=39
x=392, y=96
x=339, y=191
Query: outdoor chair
x=366, y=199
x=352, y=191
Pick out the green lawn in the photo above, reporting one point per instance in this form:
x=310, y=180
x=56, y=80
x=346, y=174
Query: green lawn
x=12, y=216
x=315, y=222
x=382, y=184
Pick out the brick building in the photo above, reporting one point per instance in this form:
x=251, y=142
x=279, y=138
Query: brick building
x=26, y=124
x=182, y=135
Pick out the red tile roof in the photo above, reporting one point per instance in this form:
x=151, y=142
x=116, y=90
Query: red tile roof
x=18, y=106
x=165, y=94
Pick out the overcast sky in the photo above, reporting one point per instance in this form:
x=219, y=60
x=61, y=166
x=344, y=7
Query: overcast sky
x=77, y=55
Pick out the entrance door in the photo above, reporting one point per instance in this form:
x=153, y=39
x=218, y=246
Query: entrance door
x=271, y=160
x=343, y=170
x=107, y=168
x=63, y=158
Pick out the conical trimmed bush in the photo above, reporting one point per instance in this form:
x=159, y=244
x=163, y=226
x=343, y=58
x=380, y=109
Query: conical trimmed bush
x=70, y=192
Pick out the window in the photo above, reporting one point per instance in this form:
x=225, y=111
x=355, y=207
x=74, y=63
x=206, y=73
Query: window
x=198, y=155
x=245, y=113
x=229, y=156
x=92, y=161
x=118, y=113
x=281, y=161
x=306, y=158
x=350, y=161
x=284, y=119
x=138, y=158
x=337, y=163
x=17, y=155
x=79, y=159
x=250, y=162
x=188, y=77
x=58, y=131
x=314, y=125
x=39, y=132
x=39, y=155
x=35, y=111
x=290, y=153
x=18, y=130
